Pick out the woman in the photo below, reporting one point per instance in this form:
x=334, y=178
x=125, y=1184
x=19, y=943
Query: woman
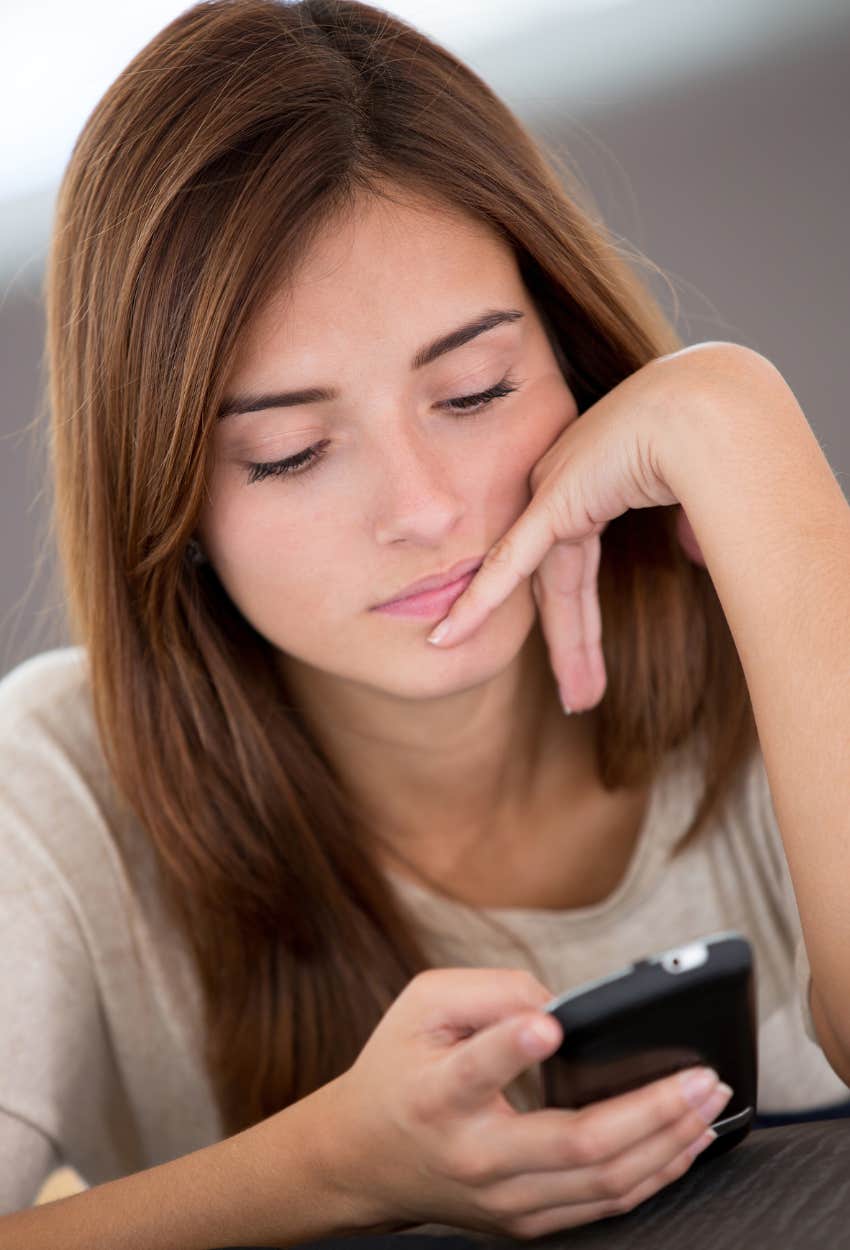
x=323, y=323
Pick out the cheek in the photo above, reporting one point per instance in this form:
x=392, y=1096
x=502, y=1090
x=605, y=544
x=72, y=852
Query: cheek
x=253, y=541
x=547, y=412
x=281, y=587
x=236, y=527
x=556, y=410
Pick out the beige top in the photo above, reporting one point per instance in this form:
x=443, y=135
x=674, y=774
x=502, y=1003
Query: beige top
x=100, y=1027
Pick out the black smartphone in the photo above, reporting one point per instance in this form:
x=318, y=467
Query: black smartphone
x=690, y=1005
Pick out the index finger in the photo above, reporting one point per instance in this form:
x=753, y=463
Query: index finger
x=601, y=1130
x=511, y=560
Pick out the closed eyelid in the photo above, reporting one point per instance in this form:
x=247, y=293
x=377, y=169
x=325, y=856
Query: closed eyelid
x=296, y=432
x=305, y=460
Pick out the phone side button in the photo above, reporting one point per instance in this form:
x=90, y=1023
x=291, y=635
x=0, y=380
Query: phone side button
x=733, y=1122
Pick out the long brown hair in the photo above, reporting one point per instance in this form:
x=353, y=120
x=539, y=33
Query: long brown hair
x=195, y=186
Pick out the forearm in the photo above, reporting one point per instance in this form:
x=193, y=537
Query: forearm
x=774, y=529
x=271, y=1185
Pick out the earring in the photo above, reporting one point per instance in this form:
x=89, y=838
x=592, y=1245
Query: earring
x=194, y=554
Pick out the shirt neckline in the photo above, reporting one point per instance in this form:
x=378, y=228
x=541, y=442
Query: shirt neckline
x=671, y=805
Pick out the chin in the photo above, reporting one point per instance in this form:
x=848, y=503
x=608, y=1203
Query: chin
x=437, y=673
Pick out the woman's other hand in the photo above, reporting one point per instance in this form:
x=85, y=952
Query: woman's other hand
x=609, y=460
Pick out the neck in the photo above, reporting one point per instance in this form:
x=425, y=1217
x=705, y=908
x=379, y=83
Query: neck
x=437, y=780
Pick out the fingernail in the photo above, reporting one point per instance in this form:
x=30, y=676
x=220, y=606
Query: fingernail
x=538, y=1035
x=698, y=1083
x=715, y=1103
x=702, y=1143
x=437, y=635
x=568, y=711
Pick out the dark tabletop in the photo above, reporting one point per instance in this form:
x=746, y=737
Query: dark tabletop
x=780, y=1188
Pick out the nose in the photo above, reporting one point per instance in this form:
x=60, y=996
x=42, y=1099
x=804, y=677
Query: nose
x=416, y=495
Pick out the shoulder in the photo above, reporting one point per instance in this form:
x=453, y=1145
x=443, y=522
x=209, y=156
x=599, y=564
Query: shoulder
x=47, y=722
x=752, y=830
x=59, y=810
x=36, y=682
x=754, y=801
x=49, y=690
x=52, y=768
x=743, y=825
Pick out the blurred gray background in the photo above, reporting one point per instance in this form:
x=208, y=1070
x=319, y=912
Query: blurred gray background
x=712, y=135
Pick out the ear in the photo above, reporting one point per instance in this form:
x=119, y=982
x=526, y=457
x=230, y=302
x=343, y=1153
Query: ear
x=687, y=538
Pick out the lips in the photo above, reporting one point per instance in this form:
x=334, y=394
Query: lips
x=435, y=582
x=428, y=603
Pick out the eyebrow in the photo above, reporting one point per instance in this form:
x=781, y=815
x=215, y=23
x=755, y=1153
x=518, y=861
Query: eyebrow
x=425, y=356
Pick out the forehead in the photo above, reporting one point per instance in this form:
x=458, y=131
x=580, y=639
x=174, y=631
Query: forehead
x=390, y=270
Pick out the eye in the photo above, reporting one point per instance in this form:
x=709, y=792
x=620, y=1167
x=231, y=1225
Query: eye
x=480, y=401
x=303, y=461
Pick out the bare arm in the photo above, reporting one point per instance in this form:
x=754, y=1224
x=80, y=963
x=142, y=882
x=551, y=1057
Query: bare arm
x=271, y=1185
x=774, y=527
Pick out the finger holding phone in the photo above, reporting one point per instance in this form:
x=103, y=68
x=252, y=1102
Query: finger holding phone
x=428, y=1135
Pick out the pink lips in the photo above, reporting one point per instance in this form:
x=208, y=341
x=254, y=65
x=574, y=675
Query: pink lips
x=429, y=602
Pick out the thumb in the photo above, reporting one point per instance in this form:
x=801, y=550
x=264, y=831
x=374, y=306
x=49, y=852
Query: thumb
x=483, y=1065
x=453, y=1003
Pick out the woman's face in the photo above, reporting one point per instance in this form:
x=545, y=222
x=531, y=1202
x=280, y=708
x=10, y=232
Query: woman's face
x=405, y=483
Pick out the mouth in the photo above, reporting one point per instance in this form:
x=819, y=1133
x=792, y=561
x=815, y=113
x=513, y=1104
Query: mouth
x=435, y=601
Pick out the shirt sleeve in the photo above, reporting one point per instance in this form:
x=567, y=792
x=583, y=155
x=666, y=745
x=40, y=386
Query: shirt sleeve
x=26, y=1158
x=54, y=1046
x=803, y=976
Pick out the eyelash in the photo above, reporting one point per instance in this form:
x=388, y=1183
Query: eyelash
x=303, y=461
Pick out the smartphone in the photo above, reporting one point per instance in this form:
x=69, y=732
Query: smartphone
x=690, y=1005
